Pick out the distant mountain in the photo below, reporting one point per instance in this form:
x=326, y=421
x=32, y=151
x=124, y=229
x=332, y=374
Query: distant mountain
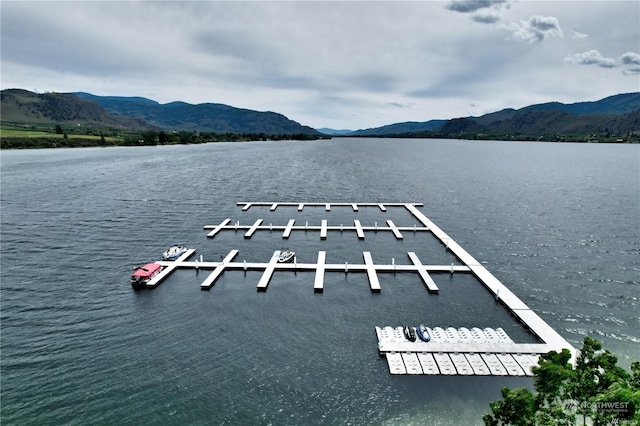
x=207, y=117
x=22, y=106
x=618, y=114
x=335, y=132
x=400, y=128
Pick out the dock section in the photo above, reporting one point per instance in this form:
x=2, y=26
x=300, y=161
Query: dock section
x=287, y=230
x=480, y=352
x=211, y=279
x=359, y=230
x=217, y=228
x=394, y=229
x=268, y=272
x=426, y=278
x=253, y=228
x=371, y=272
x=169, y=267
x=318, y=283
x=323, y=229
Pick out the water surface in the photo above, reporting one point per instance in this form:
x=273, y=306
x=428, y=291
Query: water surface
x=557, y=223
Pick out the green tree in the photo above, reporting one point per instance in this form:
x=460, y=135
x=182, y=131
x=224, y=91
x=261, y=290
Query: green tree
x=517, y=407
x=597, y=391
x=149, y=137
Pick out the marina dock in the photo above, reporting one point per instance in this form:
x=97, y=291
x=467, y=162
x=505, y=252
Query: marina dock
x=451, y=351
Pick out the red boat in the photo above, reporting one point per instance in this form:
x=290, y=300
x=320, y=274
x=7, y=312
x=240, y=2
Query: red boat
x=143, y=274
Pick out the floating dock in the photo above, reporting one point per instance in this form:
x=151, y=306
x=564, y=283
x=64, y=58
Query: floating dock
x=320, y=267
x=451, y=351
x=480, y=352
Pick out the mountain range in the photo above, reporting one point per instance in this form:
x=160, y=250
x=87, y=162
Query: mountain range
x=614, y=115
x=618, y=114
x=136, y=113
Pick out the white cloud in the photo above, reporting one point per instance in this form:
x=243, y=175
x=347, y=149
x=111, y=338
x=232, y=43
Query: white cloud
x=631, y=61
x=576, y=35
x=630, y=58
x=591, y=57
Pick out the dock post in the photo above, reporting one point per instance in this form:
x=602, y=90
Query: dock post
x=393, y=263
x=244, y=265
x=451, y=270
x=346, y=267
x=498, y=295
x=376, y=225
x=414, y=228
x=197, y=265
x=270, y=226
x=341, y=228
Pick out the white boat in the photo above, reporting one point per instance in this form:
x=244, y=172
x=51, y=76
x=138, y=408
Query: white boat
x=286, y=256
x=174, y=252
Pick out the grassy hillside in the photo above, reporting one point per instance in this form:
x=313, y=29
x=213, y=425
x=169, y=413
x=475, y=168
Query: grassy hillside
x=24, y=107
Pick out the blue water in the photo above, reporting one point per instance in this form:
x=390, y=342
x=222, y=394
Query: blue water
x=558, y=224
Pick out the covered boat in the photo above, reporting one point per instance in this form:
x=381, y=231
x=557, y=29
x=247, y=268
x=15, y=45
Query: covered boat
x=174, y=252
x=143, y=274
x=423, y=333
x=286, y=256
x=410, y=333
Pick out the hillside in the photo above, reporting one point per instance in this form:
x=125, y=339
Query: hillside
x=24, y=107
x=209, y=117
x=136, y=113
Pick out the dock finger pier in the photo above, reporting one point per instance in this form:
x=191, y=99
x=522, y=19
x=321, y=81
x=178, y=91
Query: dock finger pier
x=450, y=350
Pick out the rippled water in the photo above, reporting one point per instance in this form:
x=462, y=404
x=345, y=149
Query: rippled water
x=557, y=223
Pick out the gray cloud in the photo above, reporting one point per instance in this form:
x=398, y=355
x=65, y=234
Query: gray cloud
x=471, y=6
x=487, y=16
x=482, y=11
x=401, y=105
x=538, y=28
x=591, y=57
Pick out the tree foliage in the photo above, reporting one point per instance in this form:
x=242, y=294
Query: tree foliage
x=596, y=391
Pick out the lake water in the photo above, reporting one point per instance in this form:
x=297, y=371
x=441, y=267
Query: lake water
x=558, y=224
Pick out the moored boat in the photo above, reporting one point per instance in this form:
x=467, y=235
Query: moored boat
x=410, y=333
x=423, y=333
x=174, y=252
x=143, y=274
x=286, y=256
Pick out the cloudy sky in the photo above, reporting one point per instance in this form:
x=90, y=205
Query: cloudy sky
x=345, y=64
